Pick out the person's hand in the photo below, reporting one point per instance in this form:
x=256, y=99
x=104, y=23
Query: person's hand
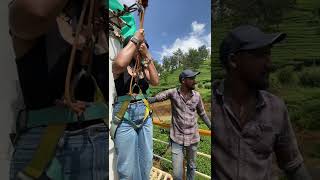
x=139, y=35
x=144, y=51
x=78, y=107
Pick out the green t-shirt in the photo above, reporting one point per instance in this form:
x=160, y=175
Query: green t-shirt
x=128, y=18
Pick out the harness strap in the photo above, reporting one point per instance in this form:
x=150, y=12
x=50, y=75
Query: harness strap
x=129, y=98
x=148, y=110
x=56, y=119
x=122, y=114
x=56, y=115
x=45, y=151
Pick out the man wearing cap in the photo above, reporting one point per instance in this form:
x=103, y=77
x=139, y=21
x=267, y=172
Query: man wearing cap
x=251, y=123
x=185, y=103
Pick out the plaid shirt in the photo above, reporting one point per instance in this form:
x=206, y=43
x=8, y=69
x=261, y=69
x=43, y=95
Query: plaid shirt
x=246, y=153
x=184, y=128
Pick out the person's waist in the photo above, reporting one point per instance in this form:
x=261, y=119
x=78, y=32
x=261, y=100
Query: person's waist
x=57, y=114
x=83, y=124
x=182, y=130
x=131, y=98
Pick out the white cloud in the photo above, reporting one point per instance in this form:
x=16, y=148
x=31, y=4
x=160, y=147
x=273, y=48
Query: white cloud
x=208, y=40
x=197, y=28
x=194, y=39
x=127, y=2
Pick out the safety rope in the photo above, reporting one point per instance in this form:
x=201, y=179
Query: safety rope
x=137, y=67
x=67, y=93
x=86, y=57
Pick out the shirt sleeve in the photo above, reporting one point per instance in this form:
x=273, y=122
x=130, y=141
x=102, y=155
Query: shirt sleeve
x=286, y=147
x=202, y=113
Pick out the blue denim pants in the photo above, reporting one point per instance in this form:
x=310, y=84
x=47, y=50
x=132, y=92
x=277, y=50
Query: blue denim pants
x=177, y=151
x=134, y=147
x=82, y=153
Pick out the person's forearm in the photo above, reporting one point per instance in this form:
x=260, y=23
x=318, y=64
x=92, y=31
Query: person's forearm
x=152, y=100
x=300, y=173
x=29, y=19
x=162, y=96
x=153, y=73
x=206, y=120
x=123, y=59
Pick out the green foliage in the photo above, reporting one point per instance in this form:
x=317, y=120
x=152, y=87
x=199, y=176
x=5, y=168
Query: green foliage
x=259, y=12
x=287, y=76
x=303, y=105
x=310, y=77
x=308, y=117
x=274, y=81
x=207, y=86
x=205, y=94
x=158, y=66
x=300, y=50
x=316, y=153
x=191, y=59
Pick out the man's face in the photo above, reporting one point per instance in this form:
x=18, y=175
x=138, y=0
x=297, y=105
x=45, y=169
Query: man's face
x=254, y=67
x=190, y=83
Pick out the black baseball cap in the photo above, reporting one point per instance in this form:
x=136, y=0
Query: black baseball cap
x=187, y=74
x=246, y=37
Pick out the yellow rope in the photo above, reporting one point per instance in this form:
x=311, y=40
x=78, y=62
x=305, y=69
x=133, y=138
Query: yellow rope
x=67, y=95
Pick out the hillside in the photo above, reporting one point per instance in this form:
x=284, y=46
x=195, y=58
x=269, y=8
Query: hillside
x=296, y=76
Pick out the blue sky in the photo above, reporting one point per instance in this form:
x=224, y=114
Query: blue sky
x=173, y=24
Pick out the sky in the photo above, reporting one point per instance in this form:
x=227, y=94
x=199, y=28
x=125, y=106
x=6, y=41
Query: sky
x=173, y=24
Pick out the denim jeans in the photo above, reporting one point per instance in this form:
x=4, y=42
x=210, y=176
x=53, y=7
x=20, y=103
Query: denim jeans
x=134, y=147
x=82, y=153
x=177, y=151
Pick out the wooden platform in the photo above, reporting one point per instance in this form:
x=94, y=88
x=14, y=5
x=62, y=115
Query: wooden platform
x=157, y=174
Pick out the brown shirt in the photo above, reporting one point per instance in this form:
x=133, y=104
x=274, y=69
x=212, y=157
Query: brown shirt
x=184, y=128
x=246, y=153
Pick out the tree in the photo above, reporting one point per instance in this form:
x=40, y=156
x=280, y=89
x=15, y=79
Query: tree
x=203, y=52
x=158, y=67
x=166, y=64
x=179, y=56
x=192, y=60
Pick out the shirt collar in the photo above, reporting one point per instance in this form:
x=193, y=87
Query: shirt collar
x=179, y=91
x=220, y=92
